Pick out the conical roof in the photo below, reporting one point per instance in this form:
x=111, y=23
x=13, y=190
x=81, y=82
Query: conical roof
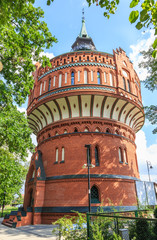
x=83, y=41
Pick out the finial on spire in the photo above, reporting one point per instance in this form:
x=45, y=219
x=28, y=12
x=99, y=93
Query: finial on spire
x=83, y=14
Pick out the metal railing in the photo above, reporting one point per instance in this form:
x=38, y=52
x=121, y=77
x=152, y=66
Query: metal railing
x=126, y=227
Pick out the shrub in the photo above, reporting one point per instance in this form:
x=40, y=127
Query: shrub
x=142, y=229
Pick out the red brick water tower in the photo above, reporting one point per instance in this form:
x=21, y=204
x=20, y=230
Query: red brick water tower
x=85, y=97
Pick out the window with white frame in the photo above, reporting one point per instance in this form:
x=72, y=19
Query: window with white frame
x=125, y=156
x=56, y=154
x=54, y=81
x=120, y=155
x=40, y=88
x=105, y=79
x=44, y=85
x=85, y=77
x=111, y=79
x=92, y=77
x=78, y=76
x=124, y=83
x=49, y=87
x=62, y=153
x=129, y=90
x=60, y=80
x=66, y=77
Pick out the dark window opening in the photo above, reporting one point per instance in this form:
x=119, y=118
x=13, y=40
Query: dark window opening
x=75, y=130
x=94, y=195
x=129, y=90
x=72, y=78
x=107, y=130
x=80, y=59
x=87, y=59
x=57, y=63
x=49, y=87
x=96, y=156
x=96, y=59
x=64, y=61
x=124, y=84
x=98, y=77
x=72, y=59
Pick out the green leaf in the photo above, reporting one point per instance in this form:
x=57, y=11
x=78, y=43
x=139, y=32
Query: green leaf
x=133, y=16
x=134, y=3
x=143, y=15
x=139, y=25
x=155, y=43
x=154, y=54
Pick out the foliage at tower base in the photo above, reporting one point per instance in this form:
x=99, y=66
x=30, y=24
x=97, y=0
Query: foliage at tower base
x=12, y=175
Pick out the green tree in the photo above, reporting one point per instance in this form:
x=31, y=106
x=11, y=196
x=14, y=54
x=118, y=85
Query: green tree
x=150, y=64
x=146, y=17
x=23, y=36
x=12, y=174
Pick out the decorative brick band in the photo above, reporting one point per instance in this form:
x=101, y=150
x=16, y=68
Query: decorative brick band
x=105, y=176
x=76, y=88
x=82, y=209
x=77, y=64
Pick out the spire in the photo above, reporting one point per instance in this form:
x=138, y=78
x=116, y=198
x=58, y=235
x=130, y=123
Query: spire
x=83, y=32
x=83, y=41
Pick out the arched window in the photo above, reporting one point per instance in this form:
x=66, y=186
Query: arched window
x=62, y=154
x=125, y=156
x=72, y=78
x=54, y=81
x=75, y=130
x=44, y=85
x=105, y=79
x=72, y=59
x=108, y=130
x=124, y=84
x=95, y=59
x=111, y=79
x=87, y=58
x=56, y=154
x=66, y=77
x=97, y=130
x=120, y=155
x=86, y=130
x=98, y=77
x=49, y=87
x=60, y=80
x=94, y=195
x=92, y=77
x=96, y=156
x=129, y=90
x=85, y=77
x=49, y=135
x=40, y=88
x=80, y=59
x=78, y=76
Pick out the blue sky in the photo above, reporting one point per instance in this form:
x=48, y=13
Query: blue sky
x=63, y=18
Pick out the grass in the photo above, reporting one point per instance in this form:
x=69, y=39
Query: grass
x=8, y=210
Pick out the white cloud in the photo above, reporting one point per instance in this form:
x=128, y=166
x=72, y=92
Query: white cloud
x=135, y=56
x=84, y=3
x=21, y=109
x=144, y=154
x=47, y=54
